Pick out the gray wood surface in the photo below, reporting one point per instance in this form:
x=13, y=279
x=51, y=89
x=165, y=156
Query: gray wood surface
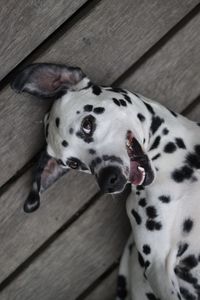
x=76, y=258
x=106, y=290
x=171, y=75
x=25, y=24
x=21, y=234
x=129, y=29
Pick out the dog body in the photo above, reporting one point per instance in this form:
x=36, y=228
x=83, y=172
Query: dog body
x=123, y=137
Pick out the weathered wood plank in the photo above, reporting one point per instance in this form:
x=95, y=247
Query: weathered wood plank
x=106, y=290
x=129, y=29
x=76, y=258
x=194, y=114
x=22, y=234
x=25, y=24
x=171, y=75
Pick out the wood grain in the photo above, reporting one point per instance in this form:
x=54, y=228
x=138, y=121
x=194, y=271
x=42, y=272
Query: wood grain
x=129, y=29
x=77, y=257
x=21, y=234
x=25, y=24
x=171, y=75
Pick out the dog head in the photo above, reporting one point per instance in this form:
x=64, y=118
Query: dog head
x=90, y=128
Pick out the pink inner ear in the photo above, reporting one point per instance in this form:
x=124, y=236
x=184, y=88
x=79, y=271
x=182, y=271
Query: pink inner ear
x=48, y=81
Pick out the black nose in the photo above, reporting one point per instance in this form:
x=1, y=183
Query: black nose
x=111, y=179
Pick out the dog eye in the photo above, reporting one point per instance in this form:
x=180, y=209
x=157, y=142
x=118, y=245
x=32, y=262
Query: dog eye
x=72, y=164
x=87, y=125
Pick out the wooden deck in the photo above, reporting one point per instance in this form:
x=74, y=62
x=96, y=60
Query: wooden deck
x=70, y=247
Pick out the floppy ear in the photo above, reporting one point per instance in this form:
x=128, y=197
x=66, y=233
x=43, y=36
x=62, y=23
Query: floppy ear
x=46, y=172
x=49, y=80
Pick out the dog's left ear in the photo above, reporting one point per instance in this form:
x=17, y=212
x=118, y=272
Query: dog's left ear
x=47, y=80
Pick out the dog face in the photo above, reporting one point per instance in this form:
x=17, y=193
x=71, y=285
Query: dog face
x=90, y=128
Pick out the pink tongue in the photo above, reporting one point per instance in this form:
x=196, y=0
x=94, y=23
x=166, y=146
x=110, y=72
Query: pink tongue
x=135, y=174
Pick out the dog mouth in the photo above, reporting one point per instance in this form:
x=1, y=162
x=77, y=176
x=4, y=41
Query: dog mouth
x=139, y=162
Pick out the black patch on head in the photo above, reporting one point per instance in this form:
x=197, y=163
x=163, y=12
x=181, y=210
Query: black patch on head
x=189, y=262
x=151, y=212
x=136, y=216
x=141, y=260
x=87, y=139
x=88, y=108
x=64, y=143
x=164, y=199
x=116, y=101
x=128, y=99
x=92, y=151
x=141, y=117
x=47, y=131
x=193, y=160
x=170, y=147
x=155, y=143
x=156, y=156
x=96, y=161
x=71, y=130
x=173, y=113
x=57, y=121
x=184, y=173
x=187, y=225
x=142, y=202
x=155, y=124
x=165, y=131
x=185, y=275
x=153, y=225
x=98, y=110
x=151, y=296
x=121, y=287
x=96, y=90
x=186, y=294
x=146, y=249
x=180, y=143
x=181, y=249
x=122, y=102
x=150, y=109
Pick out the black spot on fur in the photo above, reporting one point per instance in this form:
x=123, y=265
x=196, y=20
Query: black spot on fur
x=182, y=248
x=165, y=131
x=116, y=101
x=96, y=90
x=149, y=107
x=153, y=225
x=151, y=296
x=128, y=99
x=142, y=202
x=193, y=160
x=71, y=130
x=57, y=121
x=47, y=131
x=173, y=113
x=155, y=124
x=140, y=187
x=197, y=149
x=186, y=294
x=164, y=199
x=95, y=162
x=151, y=212
x=99, y=110
x=180, y=143
x=141, y=117
x=141, y=260
x=184, y=173
x=187, y=225
x=64, y=143
x=87, y=139
x=189, y=262
x=136, y=216
x=121, y=287
x=155, y=143
x=156, y=156
x=122, y=102
x=92, y=151
x=146, y=249
x=88, y=108
x=78, y=112
x=170, y=147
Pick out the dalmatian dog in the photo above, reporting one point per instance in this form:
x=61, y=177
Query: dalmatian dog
x=124, y=138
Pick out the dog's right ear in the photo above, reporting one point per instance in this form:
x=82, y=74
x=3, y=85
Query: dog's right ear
x=47, y=80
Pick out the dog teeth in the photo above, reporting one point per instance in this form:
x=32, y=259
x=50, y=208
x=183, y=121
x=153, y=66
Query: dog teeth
x=141, y=169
